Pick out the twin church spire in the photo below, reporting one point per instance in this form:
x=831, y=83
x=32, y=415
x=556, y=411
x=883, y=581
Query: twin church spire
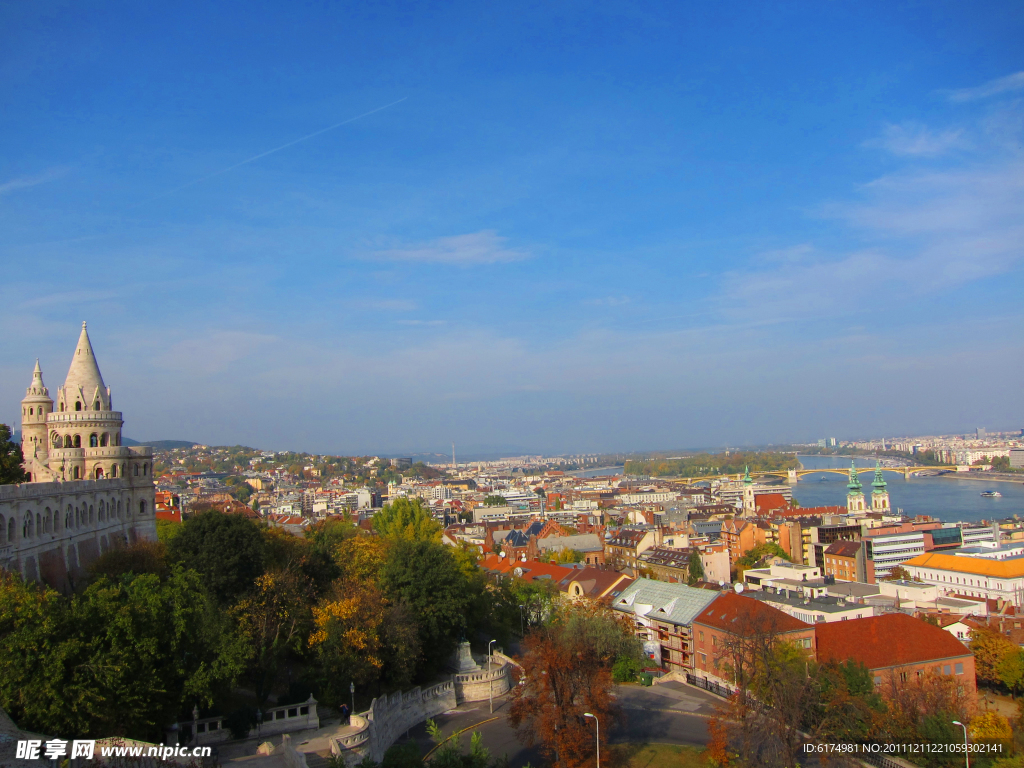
x=855, y=501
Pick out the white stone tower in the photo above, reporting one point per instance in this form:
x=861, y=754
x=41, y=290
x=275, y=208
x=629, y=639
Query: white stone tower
x=855, y=494
x=879, y=494
x=35, y=409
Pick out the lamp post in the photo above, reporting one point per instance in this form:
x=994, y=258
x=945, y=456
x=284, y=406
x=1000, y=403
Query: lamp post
x=967, y=754
x=598, y=724
x=352, y=690
x=259, y=722
x=490, y=699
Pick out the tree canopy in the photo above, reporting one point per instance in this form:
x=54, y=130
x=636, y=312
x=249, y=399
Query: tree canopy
x=228, y=550
x=408, y=519
x=11, y=458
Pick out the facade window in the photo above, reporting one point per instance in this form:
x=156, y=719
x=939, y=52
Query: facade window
x=78, y=406
x=10, y=530
x=78, y=441
x=77, y=474
x=701, y=636
x=959, y=668
x=94, y=440
x=945, y=669
x=136, y=470
x=142, y=507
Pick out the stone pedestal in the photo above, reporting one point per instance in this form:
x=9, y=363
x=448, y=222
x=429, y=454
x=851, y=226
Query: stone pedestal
x=462, y=662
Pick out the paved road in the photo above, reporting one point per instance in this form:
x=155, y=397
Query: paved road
x=672, y=713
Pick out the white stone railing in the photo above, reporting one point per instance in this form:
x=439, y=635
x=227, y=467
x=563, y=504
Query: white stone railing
x=286, y=719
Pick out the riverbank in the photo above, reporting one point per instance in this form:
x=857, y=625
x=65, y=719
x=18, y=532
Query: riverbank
x=984, y=476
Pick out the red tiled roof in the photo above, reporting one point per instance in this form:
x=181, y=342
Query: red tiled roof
x=889, y=640
x=731, y=612
x=843, y=548
x=532, y=569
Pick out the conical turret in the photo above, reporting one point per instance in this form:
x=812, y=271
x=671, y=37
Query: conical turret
x=855, y=495
x=84, y=389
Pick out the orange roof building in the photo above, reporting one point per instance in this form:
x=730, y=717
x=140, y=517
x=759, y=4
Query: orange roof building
x=981, y=574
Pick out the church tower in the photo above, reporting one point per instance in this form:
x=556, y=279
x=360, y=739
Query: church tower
x=879, y=495
x=855, y=494
x=36, y=406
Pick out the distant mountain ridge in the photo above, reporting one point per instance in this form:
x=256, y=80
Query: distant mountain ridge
x=165, y=445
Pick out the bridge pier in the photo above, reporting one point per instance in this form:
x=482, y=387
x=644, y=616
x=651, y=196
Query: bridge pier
x=792, y=477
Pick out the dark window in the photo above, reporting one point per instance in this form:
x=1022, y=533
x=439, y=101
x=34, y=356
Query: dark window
x=78, y=406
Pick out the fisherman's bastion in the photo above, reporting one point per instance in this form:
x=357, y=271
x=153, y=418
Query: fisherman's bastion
x=86, y=492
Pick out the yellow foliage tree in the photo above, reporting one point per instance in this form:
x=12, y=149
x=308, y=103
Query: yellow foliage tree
x=990, y=726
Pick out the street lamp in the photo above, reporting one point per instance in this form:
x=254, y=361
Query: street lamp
x=352, y=690
x=598, y=724
x=490, y=699
x=967, y=754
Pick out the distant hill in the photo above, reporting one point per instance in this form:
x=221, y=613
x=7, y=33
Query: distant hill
x=165, y=445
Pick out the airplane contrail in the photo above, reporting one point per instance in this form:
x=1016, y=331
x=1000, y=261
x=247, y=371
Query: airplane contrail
x=283, y=146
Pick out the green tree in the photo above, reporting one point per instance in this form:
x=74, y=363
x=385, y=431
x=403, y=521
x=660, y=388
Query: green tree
x=10, y=459
x=1010, y=670
x=227, y=550
x=121, y=659
x=495, y=500
x=425, y=577
x=694, y=568
x=407, y=519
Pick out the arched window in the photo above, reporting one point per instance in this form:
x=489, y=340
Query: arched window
x=68, y=517
x=47, y=521
x=29, y=411
x=145, y=469
x=28, y=525
x=39, y=523
x=96, y=405
x=113, y=470
x=78, y=405
x=56, y=440
x=77, y=474
x=67, y=441
x=94, y=440
x=92, y=514
x=78, y=441
x=62, y=406
x=104, y=439
x=142, y=507
x=11, y=528
x=99, y=473
x=136, y=473
x=119, y=508
x=99, y=512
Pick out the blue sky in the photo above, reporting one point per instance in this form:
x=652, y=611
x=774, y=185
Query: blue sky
x=562, y=227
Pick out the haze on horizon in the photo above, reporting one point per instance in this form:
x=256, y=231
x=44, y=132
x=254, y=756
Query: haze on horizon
x=567, y=228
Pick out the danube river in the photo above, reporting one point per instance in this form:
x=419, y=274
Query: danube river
x=944, y=498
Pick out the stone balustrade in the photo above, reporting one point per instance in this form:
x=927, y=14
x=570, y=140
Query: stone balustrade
x=286, y=719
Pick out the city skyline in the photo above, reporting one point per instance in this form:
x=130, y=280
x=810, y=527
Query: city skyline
x=569, y=231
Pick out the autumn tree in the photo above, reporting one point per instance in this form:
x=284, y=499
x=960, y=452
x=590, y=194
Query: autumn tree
x=143, y=556
x=567, y=666
x=989, y=648
x=273, y=618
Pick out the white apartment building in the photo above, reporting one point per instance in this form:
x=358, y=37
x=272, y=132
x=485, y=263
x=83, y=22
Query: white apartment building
x=991, y=572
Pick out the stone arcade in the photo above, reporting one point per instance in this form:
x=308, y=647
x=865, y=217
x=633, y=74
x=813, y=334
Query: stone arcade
x=86, y=492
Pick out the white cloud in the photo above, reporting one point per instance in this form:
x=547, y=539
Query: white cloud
x=484, y=247
x=1014, y=82
x=23, y=182
x=918, y=140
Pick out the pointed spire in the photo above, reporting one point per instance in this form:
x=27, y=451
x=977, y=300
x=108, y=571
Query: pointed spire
x=747, y=479
x=37, y=389
x=878, y=484
x=84, y=380
x=854, y=484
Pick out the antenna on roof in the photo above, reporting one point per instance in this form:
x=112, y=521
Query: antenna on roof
x=738, y=587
